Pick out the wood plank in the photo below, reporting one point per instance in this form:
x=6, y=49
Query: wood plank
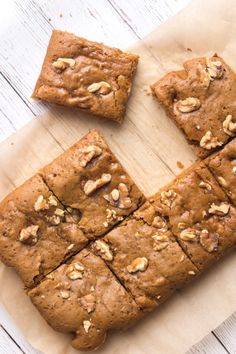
x=146, y=15
x=208, y=345
x=10, y=333
x=226, y=333
x=7, y=345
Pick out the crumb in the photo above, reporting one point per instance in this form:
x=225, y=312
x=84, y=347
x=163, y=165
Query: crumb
x=61, y=15
x=189, y=50
x=180, y=165
x=147, y=91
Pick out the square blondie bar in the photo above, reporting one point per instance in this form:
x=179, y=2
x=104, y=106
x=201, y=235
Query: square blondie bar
x=84, y=298
x=89, y=180
x=36, y=232
x=88, y=75
x=143, y=253
x=201, y=100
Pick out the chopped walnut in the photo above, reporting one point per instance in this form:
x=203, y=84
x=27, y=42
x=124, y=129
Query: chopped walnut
x=91, y=186
x=75, y=271
x=65, y=294
x=229, y=126
x=182, y=258
x=52, y=201
x=119, y=197
x=168, y=197
x=188, y=234
x=160, y=223
x=181, y=226
x=208, y=141
x=222, y=181
x=209, y=241
x=221, y=209
x=112, y=217
x=54, y=220
x=88, y=153
x=205, y=185
x=188, y=105
x=41, y=204
x=103, y=249
x=88, y=302
x=204, y=77
x=191, y=272
x=214, y=68
x=59, y=212
x=161, y=241
x=29, y=234
x=234, y=170
x=63, y=63
x=86, y=324
x=101, y=87
x=138, y=264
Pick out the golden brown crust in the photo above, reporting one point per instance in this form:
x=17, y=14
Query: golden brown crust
x=145, y=242
x=68, y=177
x=34, y=239
x=211, y=91
x=223, y=165
x=70, y=83
x=200, y=215
x=87, y=305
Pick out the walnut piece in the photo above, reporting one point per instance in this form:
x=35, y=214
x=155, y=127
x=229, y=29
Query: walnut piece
x=75, y=271
x=222, y=181
x=161, y=241
x=65, y=294
x=229, y=126
x=204, y=77
x=138, y=264
x=29, y=234
x=86, y=324
x=208, y=141
x=168, y=197
x=88, y=153
x=205, y=185
x=160, y=223
x=63, y=63
x=112, y=217
x=209, y=241
x=214, y=68
x=234, y=170
x=101, y=87
x=188, y=105
x=52, y=201
x=41, y=204
x=188, y=234
x=91, y=186
x=221, y=209
x=119, y=197
x=88, y=302
x=103, y=249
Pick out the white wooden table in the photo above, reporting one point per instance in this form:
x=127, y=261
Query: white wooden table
x=25, y=27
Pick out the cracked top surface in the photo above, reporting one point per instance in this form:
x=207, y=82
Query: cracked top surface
x=73, y=64
x=89, y=179
x=84, y=298
x=223, y=166
x=36, y=232
x=200, y=215
x=201, y=100
x=146, y=258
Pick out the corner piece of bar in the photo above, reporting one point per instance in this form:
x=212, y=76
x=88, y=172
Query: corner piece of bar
x=36, y=232
x=200, y=99
x=223, y=166
x=89, y=180
x=144, y=255
x=84, y=298
x=200, y=215
x=88, y=75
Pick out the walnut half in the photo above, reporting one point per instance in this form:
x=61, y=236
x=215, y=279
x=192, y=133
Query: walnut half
x=188, y=105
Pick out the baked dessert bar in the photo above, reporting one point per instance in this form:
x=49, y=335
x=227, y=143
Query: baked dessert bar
x=144, y=255
x=89, y=180
x=200, y=99
x=200, y=215
x=36, y=232
x=223, y=165
x=88, y=75
x=84, y=298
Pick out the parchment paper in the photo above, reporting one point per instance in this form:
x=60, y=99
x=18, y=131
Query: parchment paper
x=149, y=145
